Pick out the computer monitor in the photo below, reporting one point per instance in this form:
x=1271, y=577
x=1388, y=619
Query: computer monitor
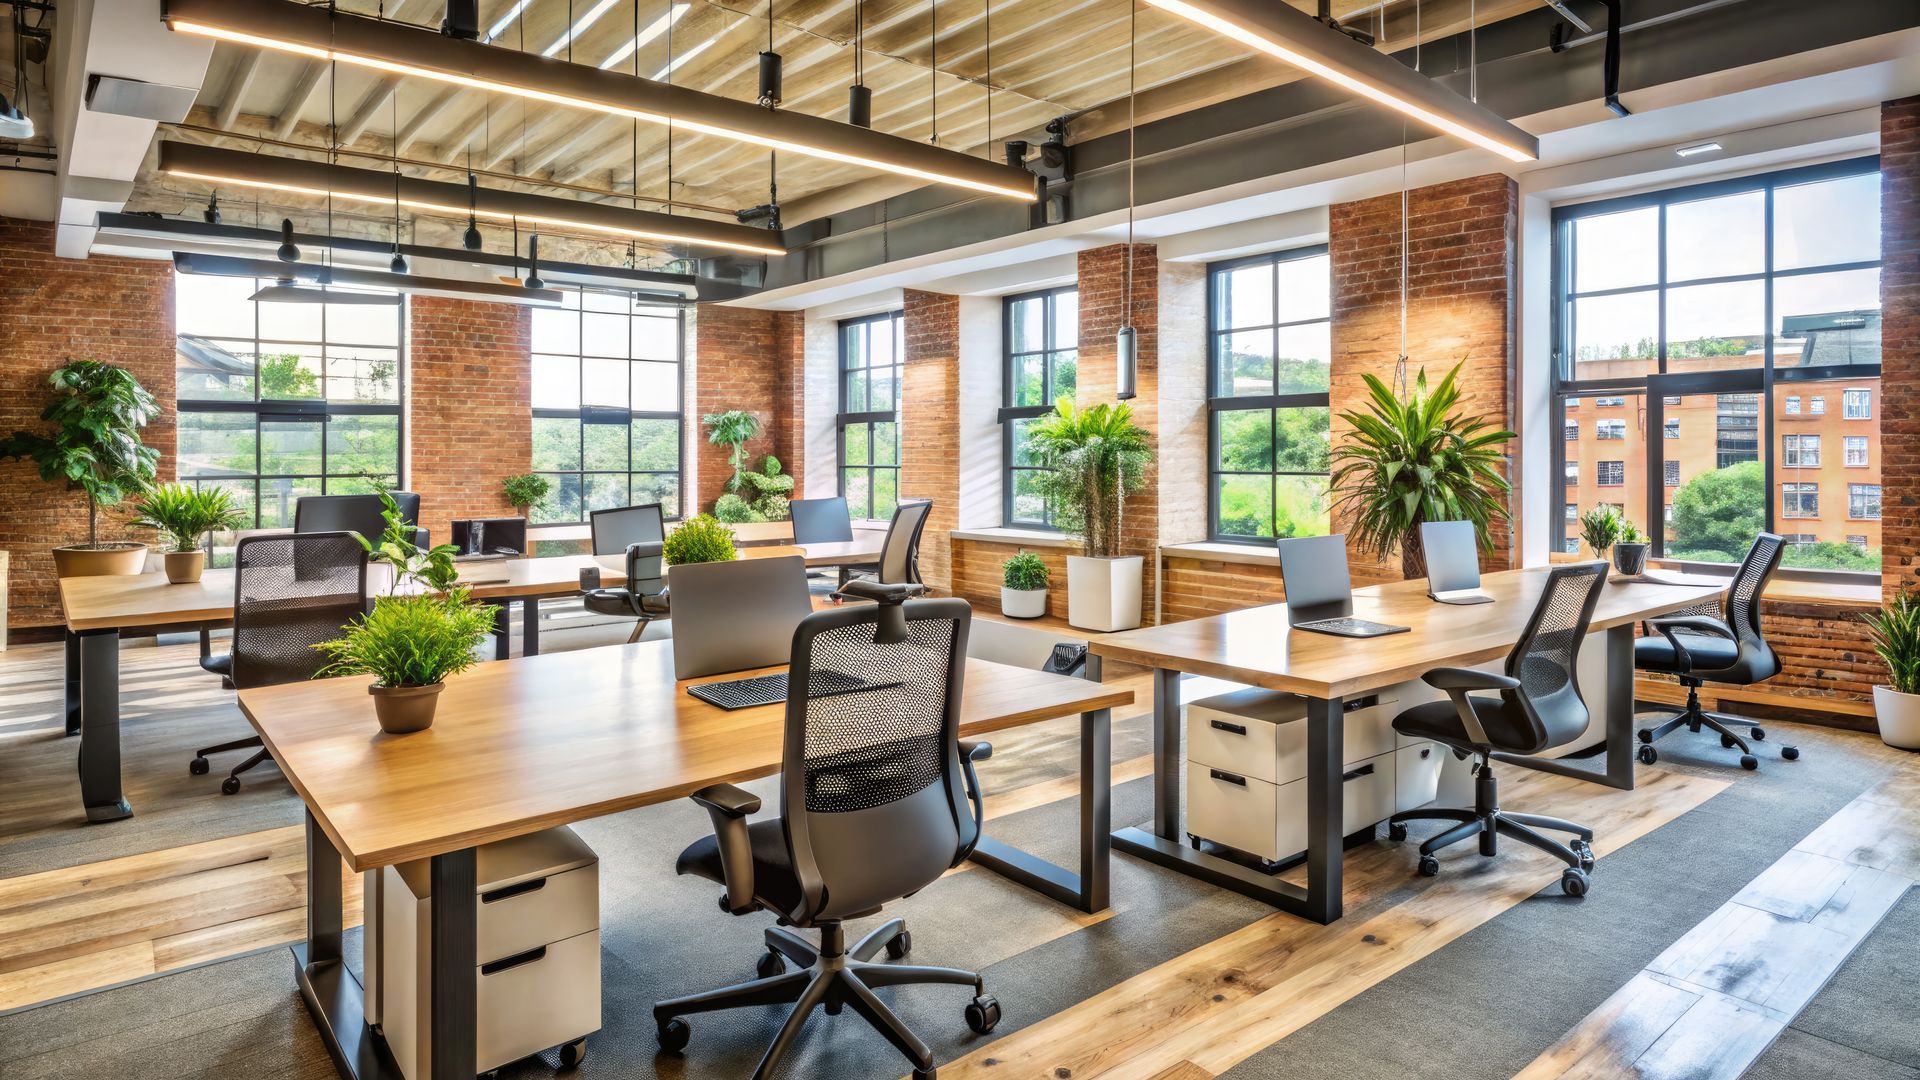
x=615, y=530
x=352, y=513
x=821, y=521
x=734, y=616
x=1314, y=571
x=1453, y=562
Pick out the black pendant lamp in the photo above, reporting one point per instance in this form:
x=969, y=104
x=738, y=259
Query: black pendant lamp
x=533, y=280
x=1126, y=345
x=287, y=251
x=472, y=239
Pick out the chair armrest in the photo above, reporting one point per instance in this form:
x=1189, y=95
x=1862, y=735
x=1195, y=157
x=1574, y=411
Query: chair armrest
x=1451, y=679
x=970, y=752
x=1670, y=627
x=728, y=807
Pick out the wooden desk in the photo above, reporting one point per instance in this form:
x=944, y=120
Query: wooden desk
x=534, y=742
x=1256, y=647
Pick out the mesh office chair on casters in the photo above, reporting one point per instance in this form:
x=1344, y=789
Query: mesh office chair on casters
x=1539, y=708
x=290, y=592
x=640, y=533
x=878, y=799
x=900, y=552
x=1698, y=647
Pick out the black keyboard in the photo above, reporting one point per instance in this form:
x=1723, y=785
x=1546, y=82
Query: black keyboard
x=768, y=689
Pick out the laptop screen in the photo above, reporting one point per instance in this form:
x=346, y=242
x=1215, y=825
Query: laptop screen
x=1313, y=569
x=1453, y=558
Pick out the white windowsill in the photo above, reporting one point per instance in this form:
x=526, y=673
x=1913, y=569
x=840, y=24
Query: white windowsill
x=1215, y=551
x=1040, y=538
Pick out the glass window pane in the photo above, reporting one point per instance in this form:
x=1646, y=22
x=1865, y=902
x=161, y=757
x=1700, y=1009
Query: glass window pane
x=655, y=338
x=603, y=491
x=1616, y=251
x=563, y=502
x=1021, y=458
x=1601, y=468
x=1066, y=375
x=886, y=444
x=244, y=496
x=556, y=444
x=853, y=444
x=883, y=346
x=656, y=445
x=1717, y=511
x=1302, y=439
x=1245, y=440
x=1029, y=380
x=1300, y=506
x=1823, y=320
x=1026, y=328
x=855, y=392
x=617, y=303
x=656, y=386
x=1066, y=320
x=290, y=447
x=1833, y=221
x=603, y=335
x=216, y=444
x=1244, y=505
x=1244, y=297
x=1716, y=327
x=1243, y=363
x=1029, y=504
x=289, y=372
x=290, y=322
x=556, y=331
x=853, y=485
x=1616, y=336
x=663, y=488
x=556, y=382
x=604, y=382
x=1720, y=237
x=1304, y=359
x=213, y=306
x=886, y=494
x=853, y=346
x=362, y=445
x=604, y=447
x=363, y=374
x=278, y=494
x=209, y=370
x=1304, y=288
x=881, y=388
x=363, y=324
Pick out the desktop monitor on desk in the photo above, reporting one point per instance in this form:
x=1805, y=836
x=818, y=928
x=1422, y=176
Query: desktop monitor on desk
x=1314, y=572
x=1453, y=562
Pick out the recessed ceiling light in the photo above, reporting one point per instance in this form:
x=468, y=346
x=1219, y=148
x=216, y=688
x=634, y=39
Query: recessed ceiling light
x=1698, y=148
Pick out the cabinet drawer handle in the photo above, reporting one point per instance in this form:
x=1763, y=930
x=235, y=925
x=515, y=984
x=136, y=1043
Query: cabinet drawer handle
x=1355, y=774
x=512, y=891
x=528, y=957
x=1237, y=729
x=1228, y=777
x=1365, y=701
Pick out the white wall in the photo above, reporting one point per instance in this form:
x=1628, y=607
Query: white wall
x=981, y=456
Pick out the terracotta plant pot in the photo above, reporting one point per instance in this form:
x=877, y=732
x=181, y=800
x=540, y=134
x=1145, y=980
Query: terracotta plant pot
x=404, y=709
x=185, y=567
x=79, y=560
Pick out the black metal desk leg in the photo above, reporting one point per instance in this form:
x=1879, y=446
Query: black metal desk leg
x=530, y=626
x=455, y=983
x=73, y=683
x=100, y=726
x=1325, y=808
x=1620, y=738
x=324, y=919
x=1168, y=759
x=502, y=630
x=1096, y=814
x=334, y=997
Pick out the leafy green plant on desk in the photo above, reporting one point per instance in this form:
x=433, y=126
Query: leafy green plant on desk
x=416, y=640
x=1604, y=526
x=699, y=539
x=526, y=491
x=432, y=567
x=1895, y=633
x=183, y=513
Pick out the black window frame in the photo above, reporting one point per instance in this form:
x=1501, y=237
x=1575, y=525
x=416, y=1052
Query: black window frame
x=1011, y=414
x=846, y=418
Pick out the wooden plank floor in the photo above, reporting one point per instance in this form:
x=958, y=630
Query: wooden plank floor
x=1711, y=1004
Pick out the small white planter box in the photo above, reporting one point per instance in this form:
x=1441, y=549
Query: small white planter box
x=1899, y=716
x=1104, y=594
x=1023, y=603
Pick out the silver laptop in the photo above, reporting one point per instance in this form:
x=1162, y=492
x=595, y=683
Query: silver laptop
x=1313, y=570
x=733, y=616
x=1453, y=562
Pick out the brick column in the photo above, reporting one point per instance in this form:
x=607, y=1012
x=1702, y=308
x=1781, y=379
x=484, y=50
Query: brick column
x=734, y=349
x=1461, y=239
x=470, y=379
x=1104, y=308
x=790, y=395
x=930, y=424
x=1900, y=342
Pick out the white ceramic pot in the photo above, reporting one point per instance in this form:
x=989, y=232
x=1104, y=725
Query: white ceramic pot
x=1899, y=716
x=1023, y=603
x=1104, y=594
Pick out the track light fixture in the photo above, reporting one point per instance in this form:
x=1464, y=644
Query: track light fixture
x=287, y=251
x=211, y=215
x=533, y=280
x=397, y=264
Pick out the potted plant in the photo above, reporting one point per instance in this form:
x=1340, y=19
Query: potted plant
x=1023, y=586
x=1601, y=528
x=732, y=429
x=1631, y=549
x=183, y=514
x=1094, y=459
x=1404, y=463
x=700, y=538
x=526, y=491
x=763, y=495
x=94, y=448
x=1895, y=633
x=412, y=640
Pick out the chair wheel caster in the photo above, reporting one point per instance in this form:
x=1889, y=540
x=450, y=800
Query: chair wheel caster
x=1429, y=866
x=1396, y=830
x=900, y=946
x=1791, y=753
x=1574, y=881
x=674, y=1035
x=1193, y=841
x=983, y=1014
x=572, y=1054
x=230, y=786
x=1749, y=762
x=1757, y=734
x=199, y=766
x=1646, y=735
x=1648, y=755
x=1726, y=742
x=771, y=964
x=1585, y=852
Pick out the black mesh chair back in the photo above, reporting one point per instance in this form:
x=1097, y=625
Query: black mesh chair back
x=490, y=536
x=616, y=530
x=1544, y=660
x=352, y=513
x=291, y=592
x=1742, y=611
x=900, y=554
x=821, y=521
x=872, y=791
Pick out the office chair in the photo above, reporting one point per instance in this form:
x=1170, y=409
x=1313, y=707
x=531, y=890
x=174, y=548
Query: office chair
x=290, y=592
x=878, y=798
x=1539, y=708
x=490, y=536
x=1697, y=647
x=356, y=513
x=821, y=521
x=900, y=553
x=644, y=597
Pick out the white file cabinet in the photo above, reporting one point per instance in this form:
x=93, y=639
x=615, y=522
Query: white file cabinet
x=538, y=954
x=1247, y=768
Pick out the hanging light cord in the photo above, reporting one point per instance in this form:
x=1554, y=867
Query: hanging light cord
x=988, y=28
x=933, y=70
x=1133, y=10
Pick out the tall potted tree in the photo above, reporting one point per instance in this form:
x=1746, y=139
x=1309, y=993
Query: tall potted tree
x=733, y=429
x=1094, y=459
x=1407, y=462
x=94, y=448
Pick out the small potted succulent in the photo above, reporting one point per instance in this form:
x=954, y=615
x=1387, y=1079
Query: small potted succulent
x=424, y=630
x=526, y=491
x=1600, y=528
x=700, y=538
x=183, y=514
x=1895, y=632
x=1023, y=586
x=1630, y=549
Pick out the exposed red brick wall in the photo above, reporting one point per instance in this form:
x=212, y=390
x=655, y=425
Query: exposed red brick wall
x=470, y=384
x=930, y=423
x=53, y=310
x=790, y=394
x=1461, y=243
x=734, y=368
x=1104, y=309
x=1900, y=341
x=976, y=572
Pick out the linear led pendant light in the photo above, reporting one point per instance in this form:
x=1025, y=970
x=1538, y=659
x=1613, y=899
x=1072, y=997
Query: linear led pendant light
x=399, y=49
x=218, y=165
x=314, y=274
x=1289, y=34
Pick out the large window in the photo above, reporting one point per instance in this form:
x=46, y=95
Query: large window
x=869, y=421
x=606, y=404
x=1042, y=332
x=1726, y=316
x=1267, y=385
x=278, y=400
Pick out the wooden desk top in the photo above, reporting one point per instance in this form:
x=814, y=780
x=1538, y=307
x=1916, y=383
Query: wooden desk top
x=1256, y=646
x=526, y=744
